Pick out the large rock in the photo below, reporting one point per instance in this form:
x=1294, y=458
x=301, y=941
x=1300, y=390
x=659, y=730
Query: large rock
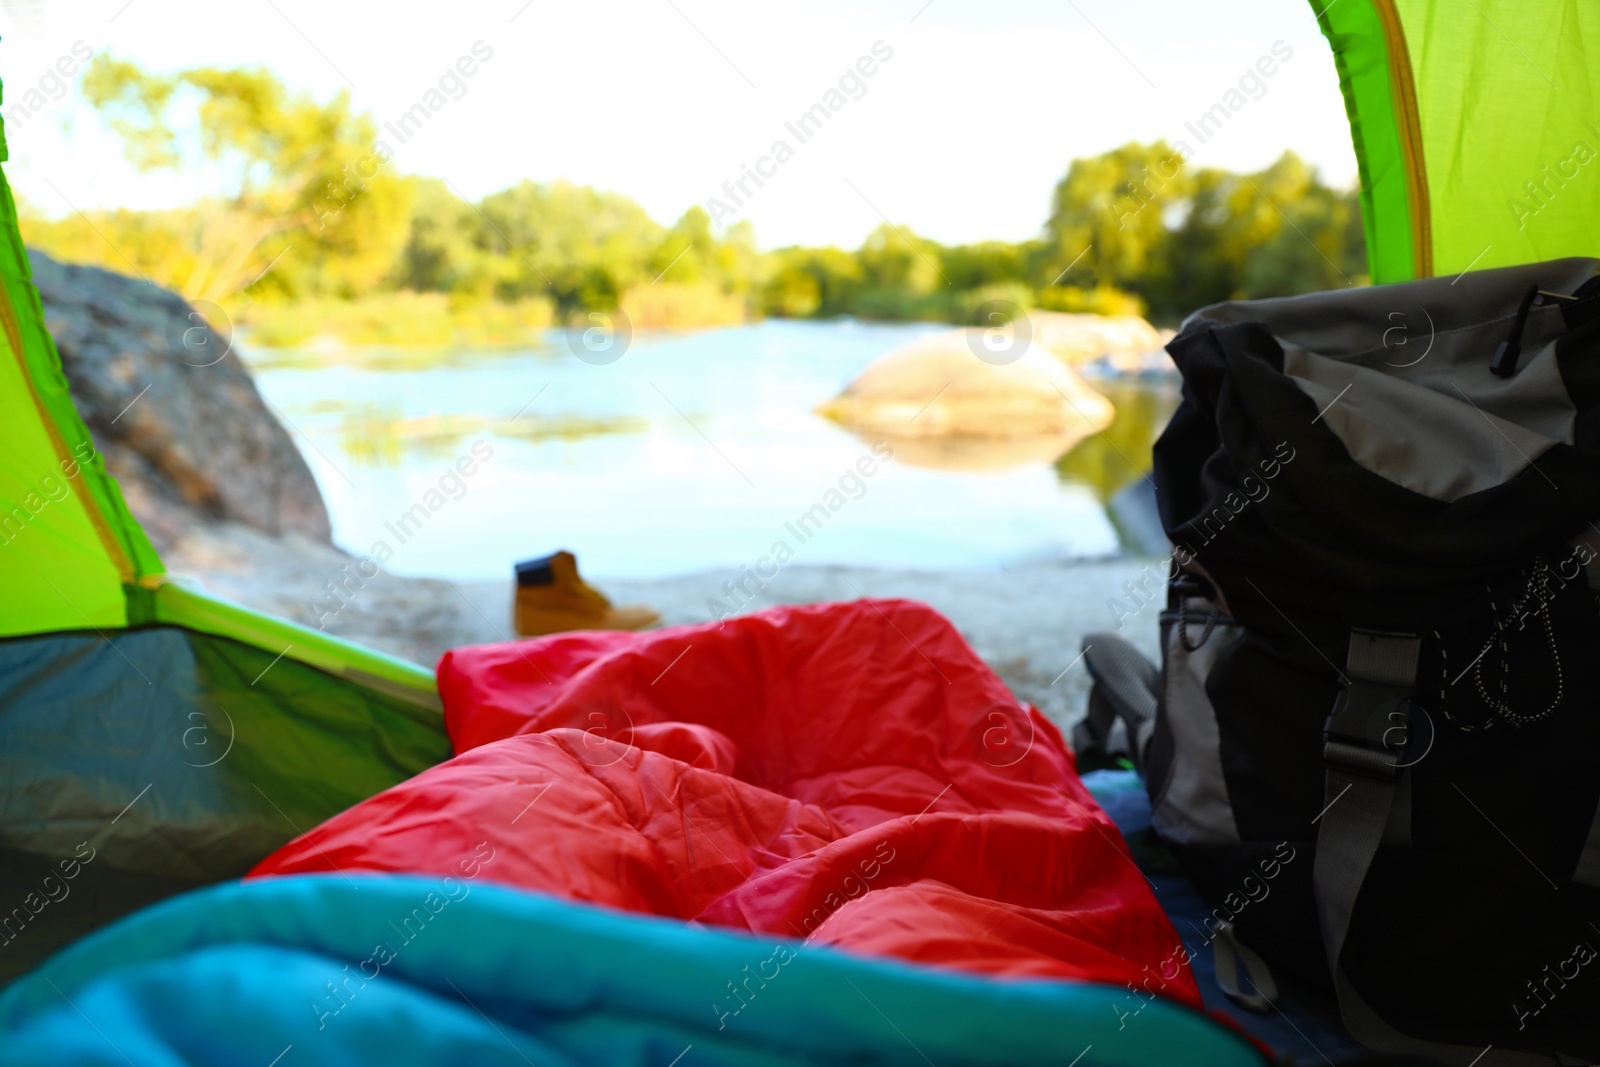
x=942, y=406
x=172, y=409
x=1126, y=344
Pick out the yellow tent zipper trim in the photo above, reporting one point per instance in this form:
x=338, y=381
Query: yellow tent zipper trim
x=1403, y=88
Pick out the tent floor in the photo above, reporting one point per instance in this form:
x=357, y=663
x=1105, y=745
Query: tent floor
x=1305, y=1023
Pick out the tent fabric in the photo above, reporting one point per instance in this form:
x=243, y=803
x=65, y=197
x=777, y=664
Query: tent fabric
x=68, y=544
x=1475, y=129
x=848, y=773
x=156, y=760
x=172, y=602
x=58, y=574
x=72, y=556
x=406, y=971
x=63, y=563
x=33, y=352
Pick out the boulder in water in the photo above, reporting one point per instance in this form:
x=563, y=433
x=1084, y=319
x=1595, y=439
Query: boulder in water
x=942, y=406
x=1125, y=343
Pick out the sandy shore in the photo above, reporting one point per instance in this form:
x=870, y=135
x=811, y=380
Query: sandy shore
x=1028, y=623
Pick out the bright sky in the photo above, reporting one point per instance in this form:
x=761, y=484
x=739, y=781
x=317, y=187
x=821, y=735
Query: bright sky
x=961, y=134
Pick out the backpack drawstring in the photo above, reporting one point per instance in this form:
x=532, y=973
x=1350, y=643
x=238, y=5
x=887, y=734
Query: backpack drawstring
x=1183, y=626
x=1500, y=704
x=1506, y=354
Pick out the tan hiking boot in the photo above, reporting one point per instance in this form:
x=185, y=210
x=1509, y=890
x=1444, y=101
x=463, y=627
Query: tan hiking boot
x=552, y=598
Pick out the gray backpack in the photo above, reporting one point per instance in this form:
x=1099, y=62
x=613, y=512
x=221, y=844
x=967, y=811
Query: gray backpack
x=1380, y=690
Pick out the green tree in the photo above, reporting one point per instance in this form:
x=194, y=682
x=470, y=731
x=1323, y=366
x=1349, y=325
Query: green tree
x=442, y=252
x=299, y=174
x=1321, y=246
x=986, y=263
x=580, y=246
x=900, y=276
x=690, y=253
x=1198, y=267
x=307, y=190
x=1108, y=217
x=1273, y=232
x=807, y=282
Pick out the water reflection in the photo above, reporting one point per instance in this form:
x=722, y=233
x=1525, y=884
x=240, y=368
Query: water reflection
x=1120, y=454
x=382, y=435
x=968, y=453
x=1103, y=460
x=638, y=465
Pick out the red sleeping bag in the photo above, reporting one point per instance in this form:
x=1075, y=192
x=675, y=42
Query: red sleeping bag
x=849, y=773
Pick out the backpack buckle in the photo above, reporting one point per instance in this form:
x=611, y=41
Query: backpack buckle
x=1369, y=728
x=1370, y=725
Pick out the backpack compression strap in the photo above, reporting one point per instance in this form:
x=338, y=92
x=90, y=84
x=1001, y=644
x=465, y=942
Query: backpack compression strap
x=1365, y=748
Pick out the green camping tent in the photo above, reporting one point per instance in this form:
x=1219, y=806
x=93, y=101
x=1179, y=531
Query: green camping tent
x=1476, y=127
x=95, y=749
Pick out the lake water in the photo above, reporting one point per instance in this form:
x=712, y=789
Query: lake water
x=692, y=451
